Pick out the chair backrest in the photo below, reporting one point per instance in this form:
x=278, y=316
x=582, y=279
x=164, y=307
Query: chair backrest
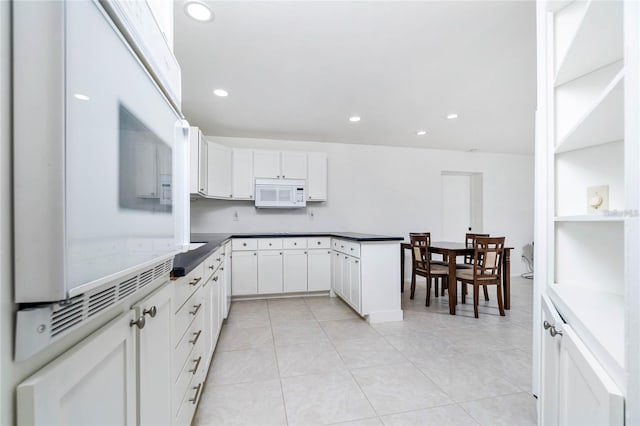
x=488, y=254
x=469, y=239
x=420, y=243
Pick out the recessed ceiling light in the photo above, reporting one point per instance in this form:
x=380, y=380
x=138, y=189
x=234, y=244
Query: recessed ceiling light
x=354, y=119
x=81, y=97
x=220, y=92
x=421, y=132
x=198, y=11
x=452, y=116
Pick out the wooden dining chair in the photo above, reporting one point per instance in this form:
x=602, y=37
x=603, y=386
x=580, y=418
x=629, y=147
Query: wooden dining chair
x=422, y=264
x=486, y=270
x=469, y=240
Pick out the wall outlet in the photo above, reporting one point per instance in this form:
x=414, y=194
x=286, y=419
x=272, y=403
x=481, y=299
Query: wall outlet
x=235, y=216
x=312, y=214
x=597, y=199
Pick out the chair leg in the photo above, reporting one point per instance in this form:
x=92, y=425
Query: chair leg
x=500, y=306
x=435, y=286
x=476, y=297
x=463, y=291
x=413, y=285
x=443, y=286
x=486, y=292
x=428, y=301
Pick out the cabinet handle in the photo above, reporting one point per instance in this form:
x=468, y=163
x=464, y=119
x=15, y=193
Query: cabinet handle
x=210, y=266
x=218, y=259
x=280, y=253
x=318, y=243
x=230, y=195
x=195, y=368
x=195, y=281
x=328, y=252
x=244, y=244
x=546, y=325
x=152, y=311
x=552, y=329
x=270, y=244
x=139, y=322
x=346, y=257
x=356, y=261
x=305, y=252
x=255, y=254
x=295, y=244
x=222, y=268
x=197, y=308
x=250, y=196
x=195, y=397
x=197, y=336
x=215, y=278
x=202, y=189
x=351, y=248
x=309, y=196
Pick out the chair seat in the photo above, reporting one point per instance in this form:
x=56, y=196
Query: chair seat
x=464, y=266
x=435, y=270
x=467, y=275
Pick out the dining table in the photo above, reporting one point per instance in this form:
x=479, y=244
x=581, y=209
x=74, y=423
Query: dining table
x=450, y=251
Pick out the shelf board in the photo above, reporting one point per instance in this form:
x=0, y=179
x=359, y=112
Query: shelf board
x=589, y=218
x=595, y=109
x=589, y=35
x=598, y=318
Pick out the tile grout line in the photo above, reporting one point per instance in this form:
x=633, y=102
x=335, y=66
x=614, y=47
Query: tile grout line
x=273, y=337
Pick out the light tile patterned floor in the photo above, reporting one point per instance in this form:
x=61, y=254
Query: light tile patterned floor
x=305, y=361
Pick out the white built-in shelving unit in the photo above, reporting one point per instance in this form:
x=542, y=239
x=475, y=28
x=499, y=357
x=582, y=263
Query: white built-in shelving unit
x=587, y=136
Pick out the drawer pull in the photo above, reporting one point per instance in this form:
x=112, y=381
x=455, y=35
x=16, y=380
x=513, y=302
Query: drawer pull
x=244, y=244
x=197, y=309
x=195, y=281
x=295, y=244
x=211, y=267
x=215, y=278
x=319, y=243
x=351, y=248
x=356, y=261
x=195, y=397
x=270, y=244
x=218, y=260
x=222, y=269
x=305, y=252
x=197, y=336
x=152, y=311
x=195, y=367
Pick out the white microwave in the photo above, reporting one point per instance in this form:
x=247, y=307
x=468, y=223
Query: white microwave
x=280, y=193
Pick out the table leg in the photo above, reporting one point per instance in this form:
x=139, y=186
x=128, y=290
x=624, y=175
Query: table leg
x=506, y=279
x=401, y=268
x=453, y=297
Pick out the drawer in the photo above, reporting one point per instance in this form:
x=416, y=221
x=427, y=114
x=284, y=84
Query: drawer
x=319, y=243
x=194, y=334
x=341, y=245
x=239, y=244
x=185, y=315
x=186, y=286
x=294, y=243
x=270, y=244
x=352, y=248
x=213, y=262
x=187, y=407
x=190, y=373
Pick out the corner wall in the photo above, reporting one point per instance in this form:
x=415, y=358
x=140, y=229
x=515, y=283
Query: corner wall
x=386, y=190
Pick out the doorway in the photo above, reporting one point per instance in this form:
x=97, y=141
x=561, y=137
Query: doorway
x=461, y=204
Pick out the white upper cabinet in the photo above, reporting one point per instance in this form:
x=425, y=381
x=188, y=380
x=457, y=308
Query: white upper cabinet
x=218, y=170
x=317, y=176
x=242, y=180
x=197, y=162
x=266, y=164
x=293, y=165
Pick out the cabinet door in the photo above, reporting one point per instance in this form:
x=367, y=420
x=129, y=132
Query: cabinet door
x=550, y=360
x=72, y=389
x=354, y=283
x=269, y=272
x=202, y=165
x=266, y=164
x=244, y=272
x=242, y=181
x=194, y=160
x=295, y=271
x=319, y=270
x=154, y=357
x=208, y=329
x=586, y=394
x=226, y=293
x=293, y=165
x=317, y=177
x=336, y=264
x=218, y=170
x=346, y=278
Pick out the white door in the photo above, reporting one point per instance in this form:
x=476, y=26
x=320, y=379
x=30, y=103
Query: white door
x=294, y=165
x=218, y=170
x=295, y=271
x=269, y=272
x=319, y=270
x=317, y=176
x=550, y=362
x=244, y=272
x=72, y=389
x=266, y=164
x=336, y=264
x=154, y=357
x=242, y=182
x=354, y=283
x=456, y=207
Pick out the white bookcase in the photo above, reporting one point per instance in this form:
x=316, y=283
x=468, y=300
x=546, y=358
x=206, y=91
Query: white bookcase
x=586, y=260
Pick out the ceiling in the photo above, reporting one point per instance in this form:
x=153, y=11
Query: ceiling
x=298, y=70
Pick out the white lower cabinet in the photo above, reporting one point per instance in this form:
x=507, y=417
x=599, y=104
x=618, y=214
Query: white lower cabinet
x=575, y=389
x=319, y=270
x=244, y=271
x=154, y=357
x=67, y=390
x=269, y=272
x=336, y=272
x=294, y=268
x=354, y=283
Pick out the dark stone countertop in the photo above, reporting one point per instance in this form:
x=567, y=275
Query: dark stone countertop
x=184, y=263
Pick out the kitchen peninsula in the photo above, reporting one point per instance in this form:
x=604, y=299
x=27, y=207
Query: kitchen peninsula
x=361, y=269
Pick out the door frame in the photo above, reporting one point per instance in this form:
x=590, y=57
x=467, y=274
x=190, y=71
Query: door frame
x=475, y=198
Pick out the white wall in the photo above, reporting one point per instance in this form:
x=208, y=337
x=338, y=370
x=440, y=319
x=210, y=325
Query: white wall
x=386, y=190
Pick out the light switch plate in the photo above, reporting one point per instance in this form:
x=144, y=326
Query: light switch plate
x=597, y=199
